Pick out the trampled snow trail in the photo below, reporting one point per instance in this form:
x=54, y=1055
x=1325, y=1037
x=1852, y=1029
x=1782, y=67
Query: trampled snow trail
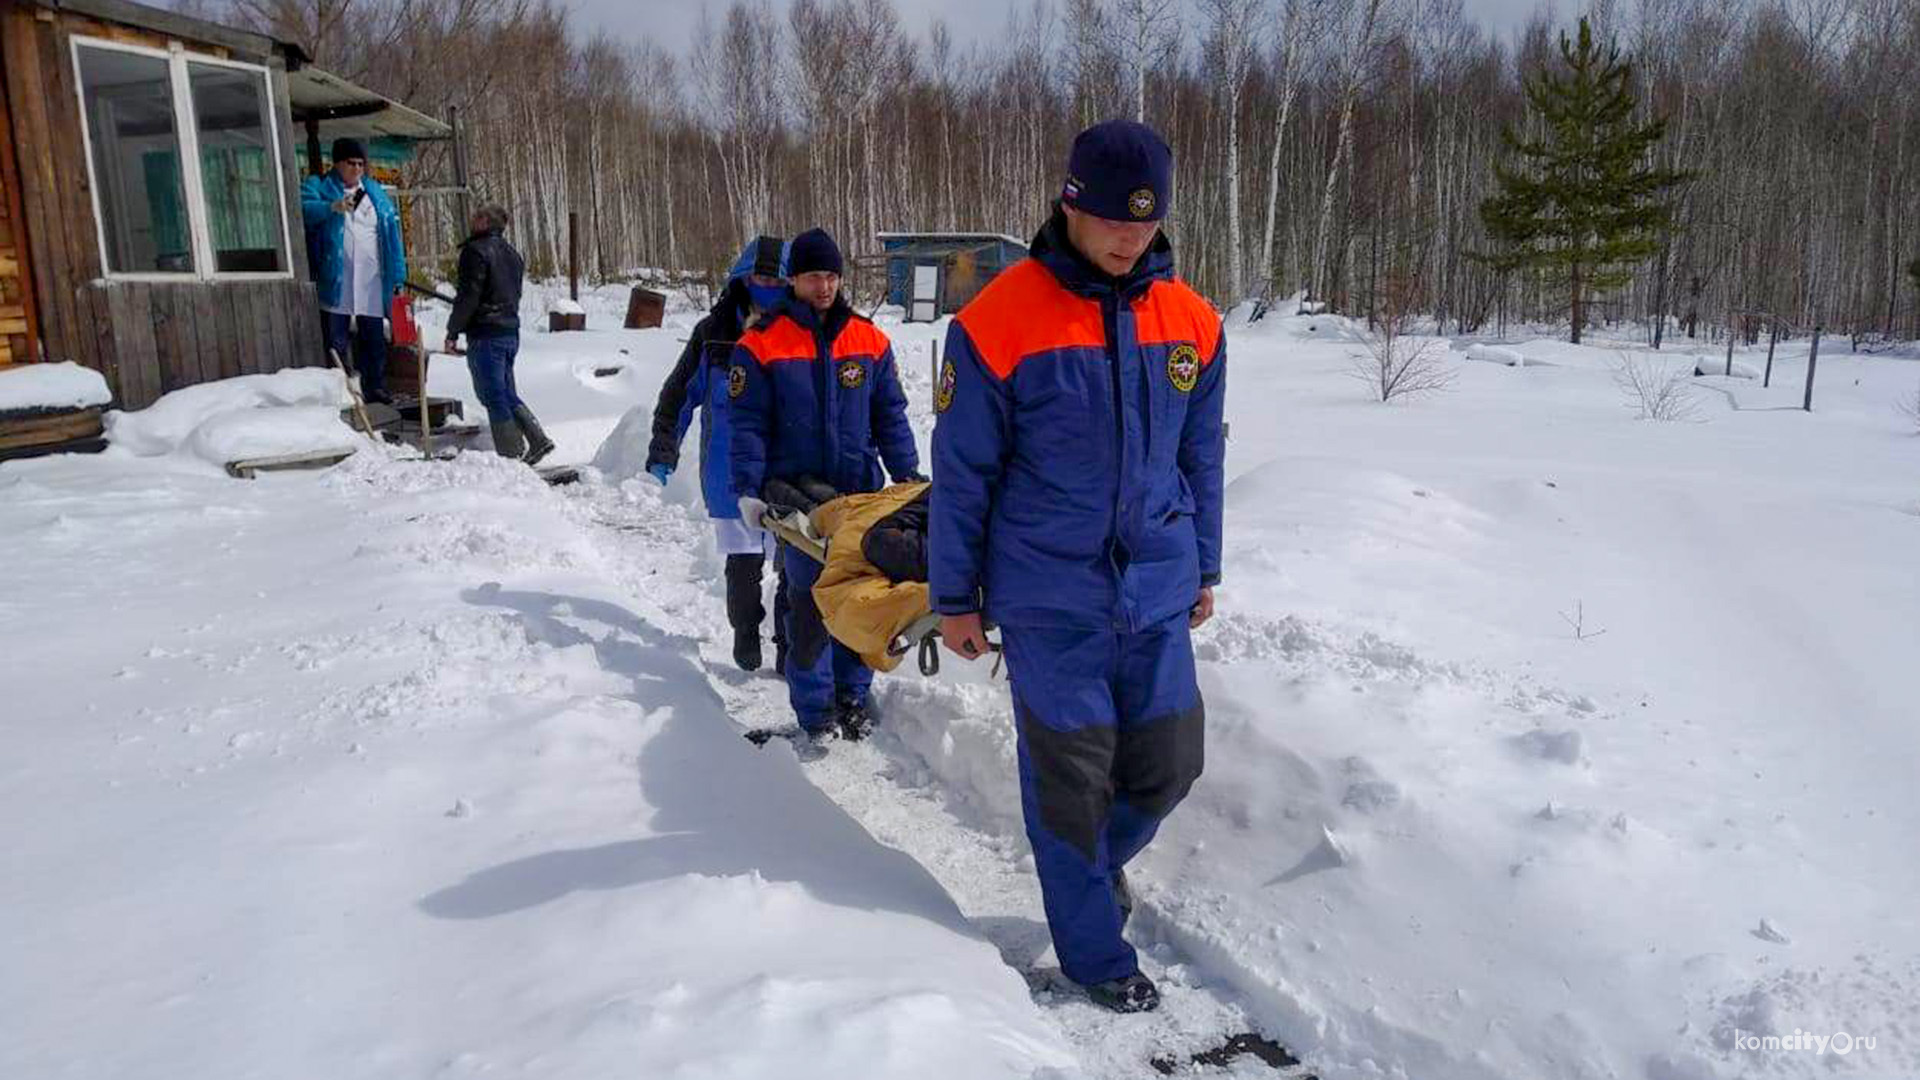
x=886, y=786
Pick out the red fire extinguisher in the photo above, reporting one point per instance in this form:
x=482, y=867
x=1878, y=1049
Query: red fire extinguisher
x=406, y=359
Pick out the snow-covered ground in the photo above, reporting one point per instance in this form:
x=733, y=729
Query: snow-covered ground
x=1543, y=742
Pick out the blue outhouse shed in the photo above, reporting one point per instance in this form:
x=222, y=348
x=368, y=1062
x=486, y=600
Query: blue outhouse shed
x=931, y=274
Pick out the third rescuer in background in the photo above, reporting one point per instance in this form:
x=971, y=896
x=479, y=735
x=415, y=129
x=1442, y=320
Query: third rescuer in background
x=756, y=284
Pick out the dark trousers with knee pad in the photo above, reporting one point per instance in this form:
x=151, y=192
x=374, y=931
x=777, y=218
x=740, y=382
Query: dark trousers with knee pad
x=1111, y=734
x=745, y=610
x=821, y=673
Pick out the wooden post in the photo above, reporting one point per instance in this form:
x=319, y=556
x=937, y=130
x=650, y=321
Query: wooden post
x=573, y=256
x=1813, y=358
x=460, y=169
x=426, y=429
x=1773, y=338
x=313, y=146
x=1729, y=344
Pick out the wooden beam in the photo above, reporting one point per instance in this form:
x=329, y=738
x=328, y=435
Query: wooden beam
x=244, y=45
x=42, y=429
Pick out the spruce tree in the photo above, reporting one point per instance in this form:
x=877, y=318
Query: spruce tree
x=1582, y=204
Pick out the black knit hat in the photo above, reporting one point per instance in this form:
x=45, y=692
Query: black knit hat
x=348, y=148
x=769, y=253
x=814, y=250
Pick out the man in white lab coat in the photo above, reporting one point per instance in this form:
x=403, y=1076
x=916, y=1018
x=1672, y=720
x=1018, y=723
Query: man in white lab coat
x=358, y=261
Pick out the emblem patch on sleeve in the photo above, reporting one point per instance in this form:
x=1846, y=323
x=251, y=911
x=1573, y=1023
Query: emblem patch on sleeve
x=943, y=396
x=736, y=381
x=852, y=374
x=1183, y=368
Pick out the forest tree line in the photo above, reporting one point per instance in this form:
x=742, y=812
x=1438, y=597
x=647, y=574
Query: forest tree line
x=1337, y=147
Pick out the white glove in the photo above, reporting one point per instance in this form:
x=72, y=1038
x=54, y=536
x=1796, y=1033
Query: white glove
x=752, y=511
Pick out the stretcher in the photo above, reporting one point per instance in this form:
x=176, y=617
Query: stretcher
x=793, y=526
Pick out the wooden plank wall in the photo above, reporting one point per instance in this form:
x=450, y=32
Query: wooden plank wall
x=167, y=336
x=19, y=315
x=146, y=337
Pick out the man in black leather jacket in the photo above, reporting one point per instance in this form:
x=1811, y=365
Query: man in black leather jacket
x=487, y=310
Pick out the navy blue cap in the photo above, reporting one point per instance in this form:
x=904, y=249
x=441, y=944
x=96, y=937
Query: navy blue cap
x=1121, y=171
x=814, y=250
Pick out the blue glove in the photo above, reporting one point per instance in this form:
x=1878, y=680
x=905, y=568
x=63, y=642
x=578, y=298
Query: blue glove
x=660, y=471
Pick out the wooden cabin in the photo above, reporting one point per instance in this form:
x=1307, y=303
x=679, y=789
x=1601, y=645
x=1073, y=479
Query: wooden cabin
x=931, y=274
x=149, y=192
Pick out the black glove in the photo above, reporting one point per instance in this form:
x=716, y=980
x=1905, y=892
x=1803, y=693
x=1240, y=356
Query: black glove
x=910, y=478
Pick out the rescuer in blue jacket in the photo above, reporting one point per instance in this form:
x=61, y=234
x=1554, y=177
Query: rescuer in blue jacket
x=1077, y=486
x=755, y=284
x=814, y=393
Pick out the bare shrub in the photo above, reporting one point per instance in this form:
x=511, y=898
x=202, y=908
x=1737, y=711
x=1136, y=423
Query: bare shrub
x=1396, y=365
x=1655, y=391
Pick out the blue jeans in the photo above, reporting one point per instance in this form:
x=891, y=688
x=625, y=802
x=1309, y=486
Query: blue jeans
x=361, y=343
x=490, y=362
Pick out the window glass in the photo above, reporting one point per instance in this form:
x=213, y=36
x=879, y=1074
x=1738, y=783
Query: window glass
x=237, y=170
x=135, y=146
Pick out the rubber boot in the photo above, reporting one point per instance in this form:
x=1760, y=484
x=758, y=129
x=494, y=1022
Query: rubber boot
x=508, y=442
x=744, y=609
x=538, y=445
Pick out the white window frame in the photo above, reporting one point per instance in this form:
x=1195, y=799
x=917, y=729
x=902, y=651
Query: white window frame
x=187, y=128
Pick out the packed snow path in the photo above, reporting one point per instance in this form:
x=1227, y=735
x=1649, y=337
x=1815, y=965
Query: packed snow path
x=887, y=787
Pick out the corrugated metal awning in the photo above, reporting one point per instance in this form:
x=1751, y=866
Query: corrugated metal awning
x=344, y=109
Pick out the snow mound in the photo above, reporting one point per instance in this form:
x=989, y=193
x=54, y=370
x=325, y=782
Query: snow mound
x=52, y=386
x=567, y=307
x=1493, y=354
x=293, y=411
x=623, y=456
x=1333, y=328
x=1709, y=365
x=272, y=432
x=1244, y=312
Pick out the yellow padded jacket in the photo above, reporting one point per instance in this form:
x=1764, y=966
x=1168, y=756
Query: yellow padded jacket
x=862, y=609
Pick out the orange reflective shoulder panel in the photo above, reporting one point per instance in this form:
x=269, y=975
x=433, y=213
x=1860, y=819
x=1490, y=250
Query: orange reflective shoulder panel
x=782, y=340
x=1025, y=311
x=861, y=338
x=1171, y=311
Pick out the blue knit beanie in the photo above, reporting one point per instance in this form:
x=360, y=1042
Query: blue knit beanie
x=1121, y=171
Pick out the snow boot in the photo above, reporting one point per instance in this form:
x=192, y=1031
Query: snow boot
x=508, y=442
x=1133, y=994
x=1124, y=896
x=854, y=720
x=538, y=445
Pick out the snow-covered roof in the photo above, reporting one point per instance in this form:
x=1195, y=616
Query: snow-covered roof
x=939, y=235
